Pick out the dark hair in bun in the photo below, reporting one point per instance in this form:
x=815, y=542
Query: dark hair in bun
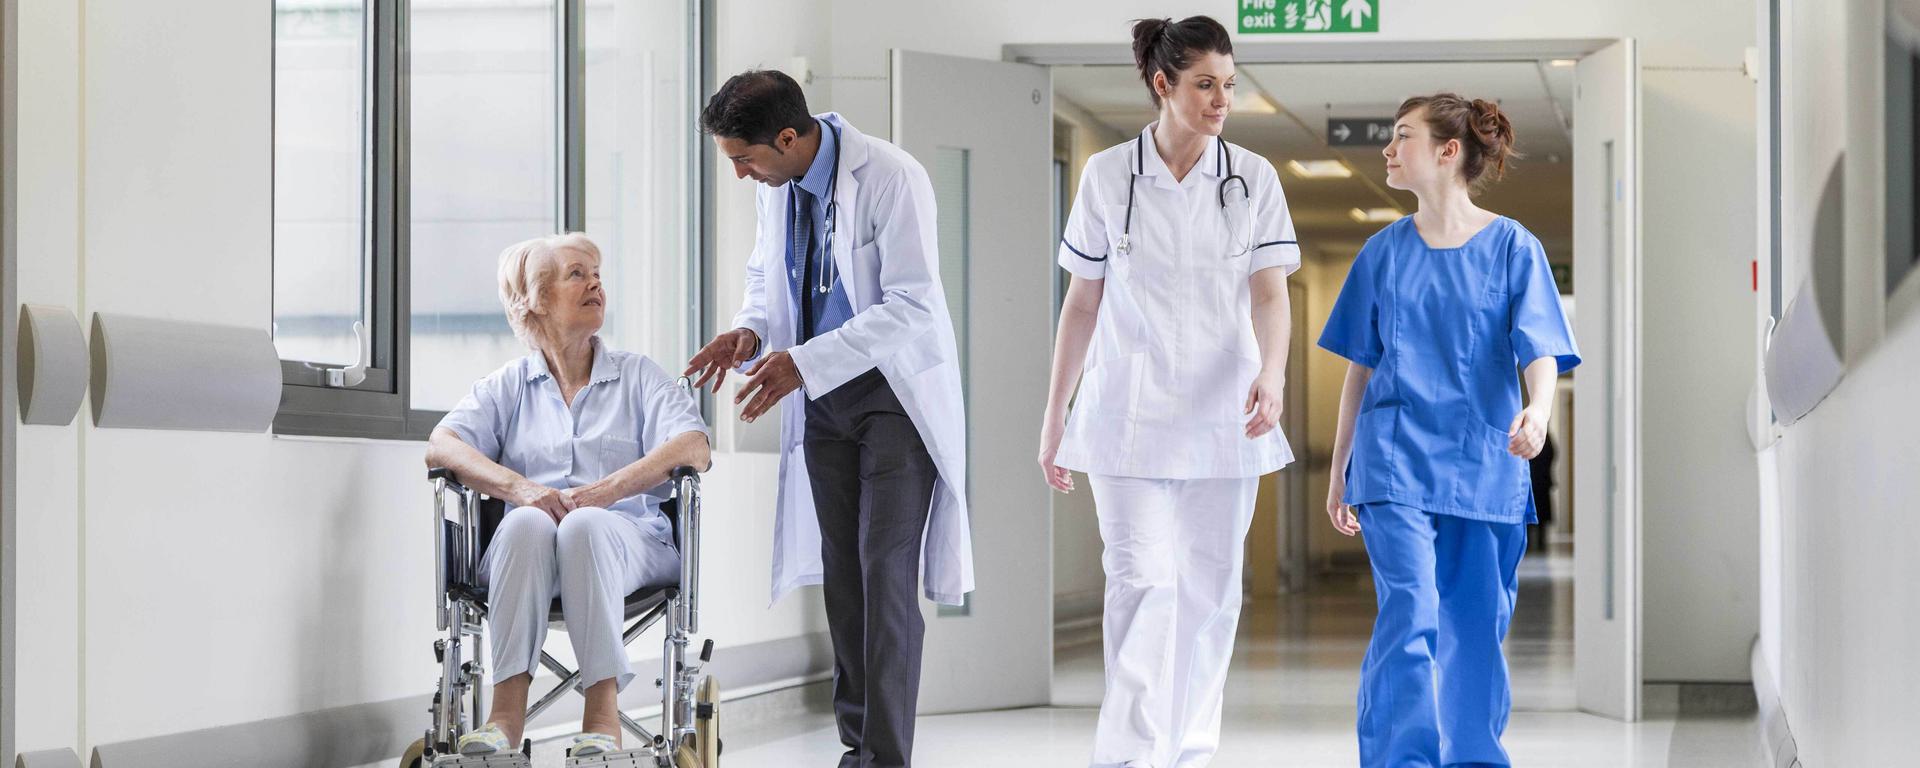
x=1168, y=47
x=1485, y=133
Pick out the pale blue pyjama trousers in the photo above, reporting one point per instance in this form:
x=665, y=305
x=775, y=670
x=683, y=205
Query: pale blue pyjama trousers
x=591, y=560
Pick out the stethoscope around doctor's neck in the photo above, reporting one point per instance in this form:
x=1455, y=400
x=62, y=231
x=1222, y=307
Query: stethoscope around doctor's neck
x=1233, y=189
x=825, y=283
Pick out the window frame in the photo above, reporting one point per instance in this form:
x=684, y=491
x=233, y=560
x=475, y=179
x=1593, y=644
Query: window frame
x=1900, y=286
x=380, y=407
x=372, y=408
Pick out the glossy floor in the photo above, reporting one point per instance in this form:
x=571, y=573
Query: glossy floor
x=1290, y=702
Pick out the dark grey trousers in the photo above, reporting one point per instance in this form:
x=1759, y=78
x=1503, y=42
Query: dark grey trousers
x=872, y=487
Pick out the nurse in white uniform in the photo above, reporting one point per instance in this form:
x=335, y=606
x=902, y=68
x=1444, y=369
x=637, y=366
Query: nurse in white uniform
x=1179, y=244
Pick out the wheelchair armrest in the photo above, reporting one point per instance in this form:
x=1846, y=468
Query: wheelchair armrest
x=455, y=541
x=686, y=482
x=445, y=473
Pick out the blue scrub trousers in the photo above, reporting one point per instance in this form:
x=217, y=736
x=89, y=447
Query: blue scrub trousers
x=1433, y=688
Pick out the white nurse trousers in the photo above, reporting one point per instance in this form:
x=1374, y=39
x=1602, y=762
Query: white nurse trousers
x=1174, y=550
x=591, y=560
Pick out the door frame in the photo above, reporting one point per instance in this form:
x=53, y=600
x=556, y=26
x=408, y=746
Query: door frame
x=9, y=403
x=1375, y=51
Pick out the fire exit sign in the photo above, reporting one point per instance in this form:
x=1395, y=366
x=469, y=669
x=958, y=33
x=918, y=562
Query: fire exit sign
x=1308, y=16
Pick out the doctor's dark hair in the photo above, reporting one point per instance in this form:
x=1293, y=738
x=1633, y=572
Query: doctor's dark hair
x=755, y=105
x=1485, y=133
x=1168, y=47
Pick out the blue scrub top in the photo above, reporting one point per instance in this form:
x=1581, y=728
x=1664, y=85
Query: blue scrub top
x=1446, y=331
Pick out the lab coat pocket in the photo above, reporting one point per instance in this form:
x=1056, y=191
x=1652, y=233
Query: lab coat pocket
x=1235, y=367
x=1502, y=482
x=917, y=355
x=1104, y=411
x=865, y=280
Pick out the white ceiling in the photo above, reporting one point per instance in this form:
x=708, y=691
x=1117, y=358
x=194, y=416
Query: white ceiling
x=1538, y=190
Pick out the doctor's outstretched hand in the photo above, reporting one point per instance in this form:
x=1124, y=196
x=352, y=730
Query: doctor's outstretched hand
x=1528, y=433
x=772, y=378
x=726, y=351
x=1263, y=403
x=1060, y=479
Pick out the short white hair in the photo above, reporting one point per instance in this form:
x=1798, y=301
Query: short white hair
x=525, y=270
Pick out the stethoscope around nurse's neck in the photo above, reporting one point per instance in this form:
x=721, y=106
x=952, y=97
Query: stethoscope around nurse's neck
x=1222, y=159
x=825, y=283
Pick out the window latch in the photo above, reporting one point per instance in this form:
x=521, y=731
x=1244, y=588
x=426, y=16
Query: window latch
x=353, y=375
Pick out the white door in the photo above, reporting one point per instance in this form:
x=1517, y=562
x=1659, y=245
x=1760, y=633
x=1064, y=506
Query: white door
x=984, y=131
x=1606, y=255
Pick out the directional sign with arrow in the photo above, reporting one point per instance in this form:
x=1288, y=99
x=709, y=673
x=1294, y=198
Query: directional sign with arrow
x=1356, y=12
x=1359, y=131
x=1308, y=16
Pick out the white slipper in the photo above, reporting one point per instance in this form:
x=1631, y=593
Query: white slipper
x=585, y=744
x=486, y=741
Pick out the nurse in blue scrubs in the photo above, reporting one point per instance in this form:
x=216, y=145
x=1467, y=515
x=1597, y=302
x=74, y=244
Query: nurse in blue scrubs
x=1439, y=312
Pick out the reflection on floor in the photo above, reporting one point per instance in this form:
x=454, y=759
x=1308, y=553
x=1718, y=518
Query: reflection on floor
x=1290, y=702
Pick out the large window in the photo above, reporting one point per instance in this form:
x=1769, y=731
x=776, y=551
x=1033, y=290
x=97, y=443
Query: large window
x=414, y=140
x=484, y=161
x=635, y=176
x=320, y=227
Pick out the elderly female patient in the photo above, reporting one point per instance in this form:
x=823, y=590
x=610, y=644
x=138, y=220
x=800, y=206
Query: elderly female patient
x=579, y=440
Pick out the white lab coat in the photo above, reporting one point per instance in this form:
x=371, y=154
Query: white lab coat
x=885, y=250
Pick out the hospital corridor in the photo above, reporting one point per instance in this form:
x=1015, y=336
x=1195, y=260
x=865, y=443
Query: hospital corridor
x=904, y=383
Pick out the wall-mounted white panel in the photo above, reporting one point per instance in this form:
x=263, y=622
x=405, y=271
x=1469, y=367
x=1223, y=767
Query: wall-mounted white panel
x=51, y=758
x=166, y=374
x=53, y=365
x=1804, y=360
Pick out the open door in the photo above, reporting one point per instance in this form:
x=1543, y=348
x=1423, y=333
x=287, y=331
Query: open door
x=984, y=131
x=1606, y=236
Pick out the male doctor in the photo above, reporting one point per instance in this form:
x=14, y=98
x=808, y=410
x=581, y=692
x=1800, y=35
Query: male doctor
x=846, y=322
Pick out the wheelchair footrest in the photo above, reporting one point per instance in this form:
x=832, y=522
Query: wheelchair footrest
x=643, y=757
x=498, y=760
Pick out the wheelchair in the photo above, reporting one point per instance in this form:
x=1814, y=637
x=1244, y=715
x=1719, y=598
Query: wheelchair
x=688, y=735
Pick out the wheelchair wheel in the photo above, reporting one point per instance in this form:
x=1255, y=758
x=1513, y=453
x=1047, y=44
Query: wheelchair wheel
x=707, y=721
x=412, y=758
x=687, y=756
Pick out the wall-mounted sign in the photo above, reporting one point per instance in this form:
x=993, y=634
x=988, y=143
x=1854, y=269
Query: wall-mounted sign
x=1359, y=131
x=1308, y=16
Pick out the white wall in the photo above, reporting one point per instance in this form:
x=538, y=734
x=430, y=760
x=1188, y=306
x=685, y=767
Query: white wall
x=47, y=669
x=174, y=581
x=1841, y=634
